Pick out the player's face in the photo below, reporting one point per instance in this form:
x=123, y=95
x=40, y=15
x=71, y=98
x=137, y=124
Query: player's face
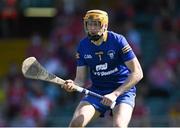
x=93, y=27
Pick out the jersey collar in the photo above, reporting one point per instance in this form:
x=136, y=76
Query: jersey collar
x=105, y=36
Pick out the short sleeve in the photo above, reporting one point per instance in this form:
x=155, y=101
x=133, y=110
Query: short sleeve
x=126, y=51
x=80, y=57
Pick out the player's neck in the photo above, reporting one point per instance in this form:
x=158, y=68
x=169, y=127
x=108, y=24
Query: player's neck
x=101, y=40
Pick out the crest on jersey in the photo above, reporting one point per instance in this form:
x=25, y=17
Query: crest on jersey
x=111, y=54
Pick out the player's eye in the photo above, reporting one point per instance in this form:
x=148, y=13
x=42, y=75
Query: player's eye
x=93, y=23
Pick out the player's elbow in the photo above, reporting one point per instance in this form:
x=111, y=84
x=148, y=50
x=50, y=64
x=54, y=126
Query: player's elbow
x=137, y=76
x=140, y=76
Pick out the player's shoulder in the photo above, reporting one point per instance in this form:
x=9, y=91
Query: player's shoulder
x=83, y=42
x=116, y=36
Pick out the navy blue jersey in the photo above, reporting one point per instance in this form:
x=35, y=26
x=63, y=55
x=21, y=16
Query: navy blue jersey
x=106, y=61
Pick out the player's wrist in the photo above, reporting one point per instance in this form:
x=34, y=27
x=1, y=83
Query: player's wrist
x=116, y=93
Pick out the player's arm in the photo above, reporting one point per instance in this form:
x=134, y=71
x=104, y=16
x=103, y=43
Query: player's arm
x=81, y=76
x=135, y=76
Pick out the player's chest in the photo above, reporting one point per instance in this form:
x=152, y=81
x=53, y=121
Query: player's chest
x=100, y=55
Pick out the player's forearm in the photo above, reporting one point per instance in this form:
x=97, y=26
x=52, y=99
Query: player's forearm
x=81, y=75
x=132, y=80
x=79, y=82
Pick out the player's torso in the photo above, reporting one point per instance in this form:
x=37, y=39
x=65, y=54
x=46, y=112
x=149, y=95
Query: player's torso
x=105, y=63
x=101, y=58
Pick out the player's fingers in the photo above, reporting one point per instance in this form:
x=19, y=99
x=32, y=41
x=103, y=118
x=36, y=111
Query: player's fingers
x=68, y=86
x=69, y=81
x=70, y=89
x=66, y=83
x=106, y=102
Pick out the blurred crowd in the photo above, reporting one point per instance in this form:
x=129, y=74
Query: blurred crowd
x=151, y=27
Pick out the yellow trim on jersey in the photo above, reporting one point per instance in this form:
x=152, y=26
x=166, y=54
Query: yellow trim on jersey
x=126, y=49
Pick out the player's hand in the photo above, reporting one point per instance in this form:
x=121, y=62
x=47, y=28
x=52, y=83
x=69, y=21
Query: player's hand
x=109, y=99
x=69, y=86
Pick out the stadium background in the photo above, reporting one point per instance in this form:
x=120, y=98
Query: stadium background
x=50, y=31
